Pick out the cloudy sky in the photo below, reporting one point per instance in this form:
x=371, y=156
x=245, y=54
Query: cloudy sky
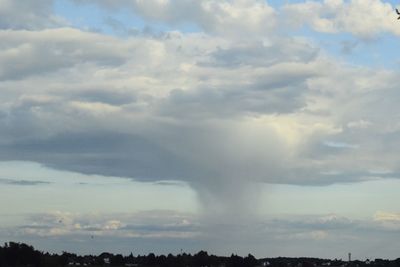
x=233, y=126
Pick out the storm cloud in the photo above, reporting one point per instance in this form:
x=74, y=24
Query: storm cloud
x=209, y=108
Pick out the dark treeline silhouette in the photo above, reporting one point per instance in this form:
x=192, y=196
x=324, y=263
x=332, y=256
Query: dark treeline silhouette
x=22, y=255
x=17, y=254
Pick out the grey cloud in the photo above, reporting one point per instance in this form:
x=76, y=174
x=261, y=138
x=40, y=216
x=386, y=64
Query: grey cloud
x=164, y=227
x=280, y=88
x=36, y=227
x=106, y=96
x=22, y=182
x=166, y=144
x=196, y=154
x=31, y=53
x=102, y=153
x=233, y=102
x=28, y=15
x=316, y=222
x=27, y=117
x=112, y=107
x=259, y=54
x=169, y=183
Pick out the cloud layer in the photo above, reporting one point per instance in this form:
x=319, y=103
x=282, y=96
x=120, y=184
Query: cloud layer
x=234, y=103
x=322, y=233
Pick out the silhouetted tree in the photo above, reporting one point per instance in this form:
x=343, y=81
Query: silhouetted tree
x=117, y=260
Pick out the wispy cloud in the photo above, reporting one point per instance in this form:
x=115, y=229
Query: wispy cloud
x=22, y=182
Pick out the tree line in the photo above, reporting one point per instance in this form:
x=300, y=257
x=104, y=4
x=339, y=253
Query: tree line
x=14, y=254
x=20, y=254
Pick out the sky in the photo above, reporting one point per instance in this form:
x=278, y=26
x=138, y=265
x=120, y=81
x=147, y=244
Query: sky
x=232, y=126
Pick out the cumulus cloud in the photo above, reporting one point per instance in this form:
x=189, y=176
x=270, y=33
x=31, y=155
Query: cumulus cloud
x=209, y=108
x=174, y=108
x=123, y=89
x=237, y=18
x=365, y=19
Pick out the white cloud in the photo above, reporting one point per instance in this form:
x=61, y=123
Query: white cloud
x=150, y=224
x=387, y=216
x=363, y=18
x=237, y=18
x=387, y=220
